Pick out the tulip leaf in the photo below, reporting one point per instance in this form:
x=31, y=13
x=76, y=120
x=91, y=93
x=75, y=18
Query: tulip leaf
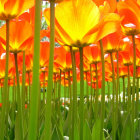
x=126, y=132
x=76, y=133
x=96, y=130
x=87, y=132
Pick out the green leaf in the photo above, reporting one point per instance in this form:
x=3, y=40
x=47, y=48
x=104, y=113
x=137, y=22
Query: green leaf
x=96, y=130
x=66, y=125
x=76, y=133
x=87, y=132
x=58, y=128
x=126, y=133
x=55, y=134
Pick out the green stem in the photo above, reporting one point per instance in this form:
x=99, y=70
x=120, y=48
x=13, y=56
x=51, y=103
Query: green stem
x=97, y=92
x=134, y=79
x=119, y=92
x=23, y=82
x=87, y=87
x=44, y=87
x=91, y=89
x=81, y=93
x=50, y=72
x=64, y=96
x=13, y=102
x=39, y=109
x=108, y=90
x=117, y=86
x=91, y=100
x=129, y=96
x=113, y=102
x=19, y=102
x=59, y=95
x=33, y=119
x=123, y=92
x=137, y=98
x=29, y=95
x=70, y=107
x=5, y=89
x=103, y=90
x=55, y=86
x=74, y=108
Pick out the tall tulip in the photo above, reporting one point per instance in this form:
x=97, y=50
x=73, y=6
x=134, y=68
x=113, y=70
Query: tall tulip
x=78, y=24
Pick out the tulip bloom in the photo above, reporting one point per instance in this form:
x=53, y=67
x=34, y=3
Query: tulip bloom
x=112, y=4
x=10, y=9
x=44, y=54
x=63, y=59
x=20, y=40
x=92, y=54
x=129, y=10
x=81, y=23
x=2, y=66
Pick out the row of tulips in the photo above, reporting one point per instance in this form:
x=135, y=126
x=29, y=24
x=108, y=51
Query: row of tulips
x=98, y=45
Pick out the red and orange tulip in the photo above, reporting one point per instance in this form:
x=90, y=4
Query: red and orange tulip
x=129, y=10
x=81, y=23
x=10, y=9
x=19, y=40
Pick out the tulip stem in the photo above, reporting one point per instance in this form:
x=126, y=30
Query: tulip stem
x=64, y=95
x=50, y=72
x=134, y=79
x=91, y=89
x=59, y=95
x=33, y=119
x=13, y=102
x=19, y=102
x=55, y=86
x=5, y=89
x=108, y=83
x=97, y=92
x=117, y=85
x=87, y=89
x=81, y=93
x=91, y=93
x=113, y=102
x=29, y=95
x=44, y=87
x=103, y=90
x=23, y=82
x=123, y=92
x=74, y=107
x=70, y=94
x=129, y=96
x=137, y=98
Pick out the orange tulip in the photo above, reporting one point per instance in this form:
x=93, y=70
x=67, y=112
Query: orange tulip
x=2, y=67
x=63, y=59
x=10, y=9
x=29, y=76
x=112, y=4
x=92, y=54
x=29, y=61
x=28, y=16
x=44, y=54
x=126, y=56
x=19, y=39
x=123, y=71
x=138, y=72
x=112, y=42
x=56, y=1
x=129, y=10
x=81, y=23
